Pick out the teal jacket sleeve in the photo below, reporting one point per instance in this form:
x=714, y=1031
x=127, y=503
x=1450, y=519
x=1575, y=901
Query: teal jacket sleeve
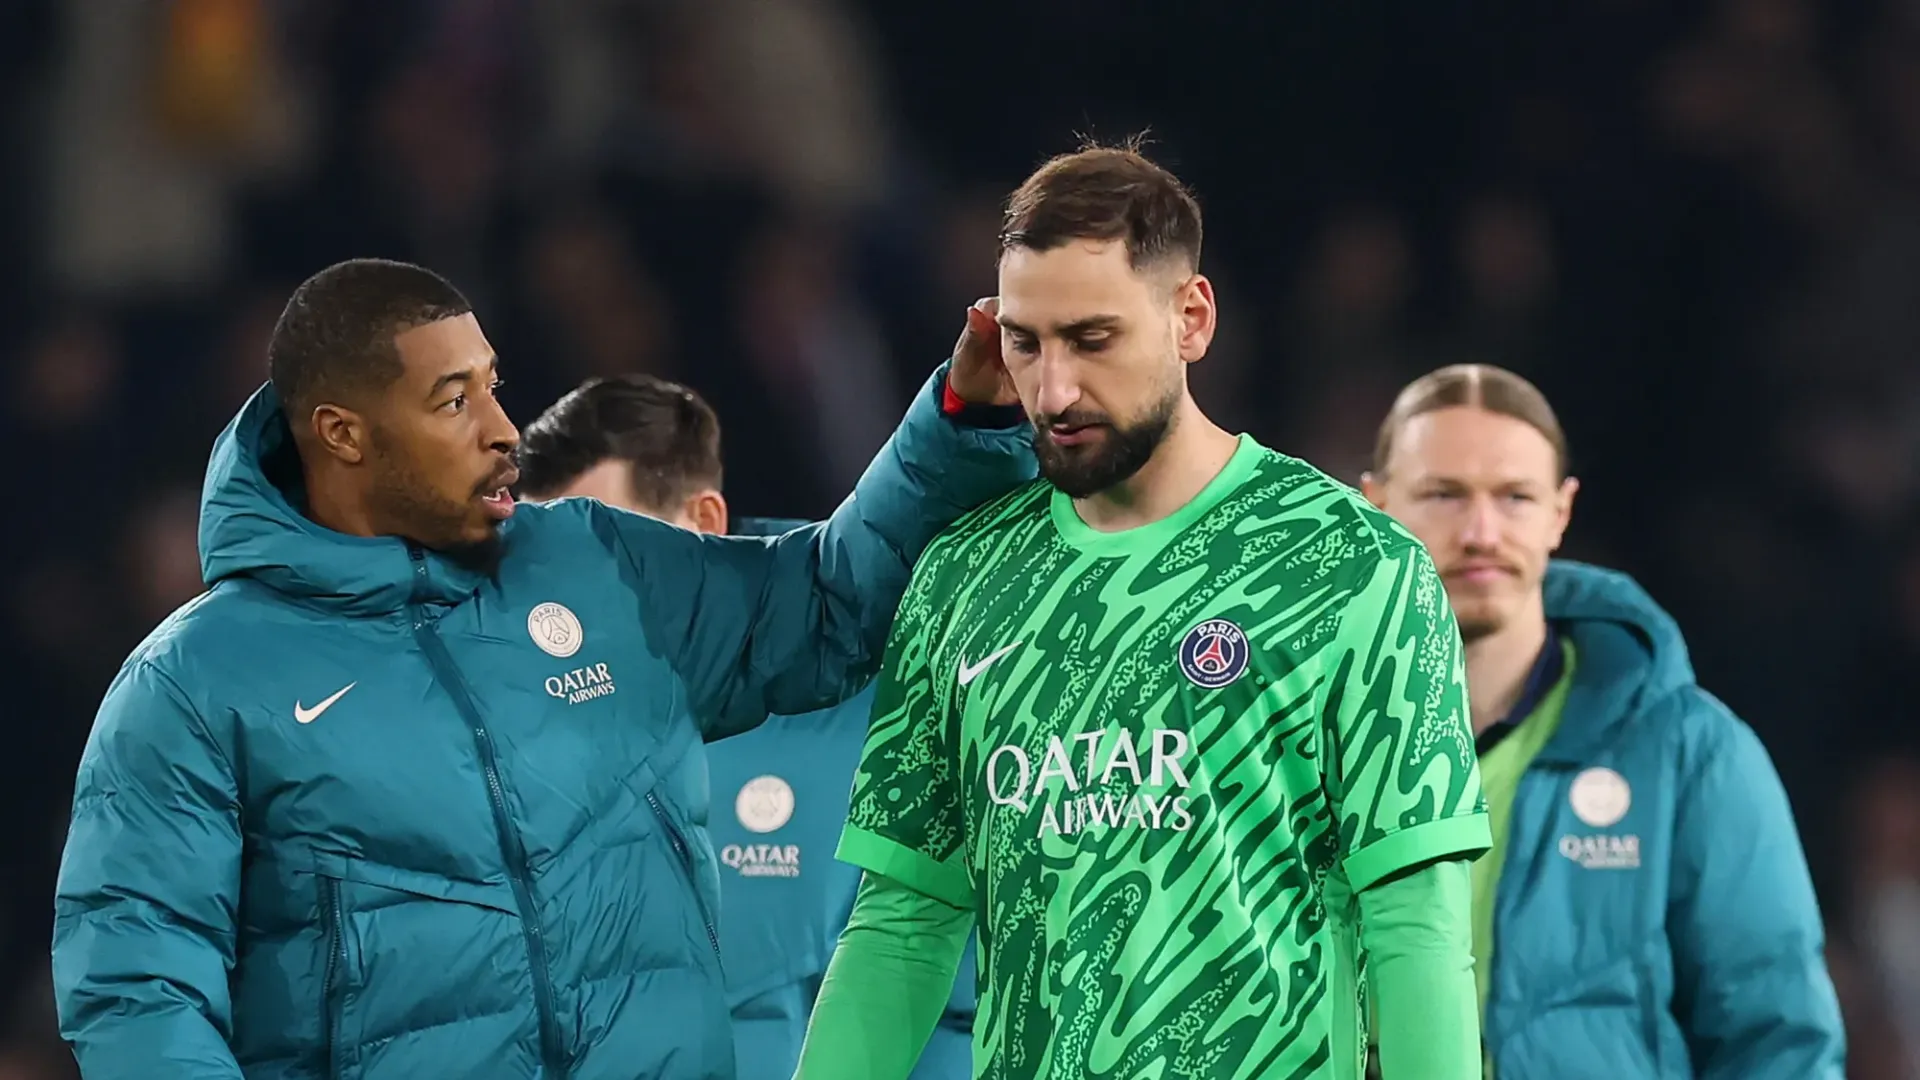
x=144, y=911
x=1752, y=991
x=797, y=622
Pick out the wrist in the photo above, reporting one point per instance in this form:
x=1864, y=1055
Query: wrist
x=961, y=411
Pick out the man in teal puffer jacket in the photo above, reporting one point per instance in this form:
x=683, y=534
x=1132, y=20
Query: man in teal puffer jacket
x=417, y=789
x=781, y=790
x=1646, y=911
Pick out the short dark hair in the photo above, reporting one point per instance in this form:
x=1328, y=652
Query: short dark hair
x=1105, y=193
x=336, y=336
x=668, y=433
x=1480, y=386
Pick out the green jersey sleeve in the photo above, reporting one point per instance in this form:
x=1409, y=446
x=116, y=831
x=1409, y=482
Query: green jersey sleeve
x=907, y=818
x=1402, y=774
x=1418, y=932
x=887, y=985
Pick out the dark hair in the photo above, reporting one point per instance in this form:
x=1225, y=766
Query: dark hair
x=668, y=433
x=1481, y=386
x=336, y=336
x=1105, y=193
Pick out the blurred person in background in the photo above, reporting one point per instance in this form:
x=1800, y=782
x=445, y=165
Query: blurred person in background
x=652, y=446
x=1646, y=910
x=416, y=788
x=1875, y=1048
x=1884, y=835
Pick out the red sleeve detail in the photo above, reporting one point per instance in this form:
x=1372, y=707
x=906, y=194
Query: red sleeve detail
x=951, y=404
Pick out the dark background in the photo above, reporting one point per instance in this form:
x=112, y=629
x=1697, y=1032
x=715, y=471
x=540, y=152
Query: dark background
x=1695, y=225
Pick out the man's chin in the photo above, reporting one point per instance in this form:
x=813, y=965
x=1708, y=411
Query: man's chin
x=1079, y=483
x=480, y=551
x=1081, y=472
x=1478, y=618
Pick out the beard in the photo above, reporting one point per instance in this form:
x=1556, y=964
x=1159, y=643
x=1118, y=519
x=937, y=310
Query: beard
x=1482, y=613
x=1475, y=627
x=482, y=556
x=1084, y=471
x=416, y=510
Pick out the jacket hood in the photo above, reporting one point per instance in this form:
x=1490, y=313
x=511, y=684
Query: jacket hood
x=1628, y=651
x=250, y=528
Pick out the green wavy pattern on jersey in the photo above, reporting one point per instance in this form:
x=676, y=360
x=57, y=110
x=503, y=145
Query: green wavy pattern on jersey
x=1118, y=950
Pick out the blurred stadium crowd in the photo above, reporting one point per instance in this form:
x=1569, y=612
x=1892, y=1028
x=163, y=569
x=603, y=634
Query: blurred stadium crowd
x=1695, y=225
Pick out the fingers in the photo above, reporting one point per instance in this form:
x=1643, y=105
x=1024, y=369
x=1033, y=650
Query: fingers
x=980, y=317
x=979, y=373
x=978, y=370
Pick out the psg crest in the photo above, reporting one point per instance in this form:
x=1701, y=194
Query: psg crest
x=1214, y=654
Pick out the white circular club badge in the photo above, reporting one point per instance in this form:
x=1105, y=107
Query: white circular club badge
x=764, y=804
x=555, y=630
x=1600, y=797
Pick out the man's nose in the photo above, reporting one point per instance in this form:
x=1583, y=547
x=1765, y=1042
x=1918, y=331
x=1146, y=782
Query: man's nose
x=1059, y=383
x=501, y=435
x=1483, y=526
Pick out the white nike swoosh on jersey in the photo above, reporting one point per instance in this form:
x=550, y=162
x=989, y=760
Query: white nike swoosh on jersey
x=970, y=672
x=304, y=715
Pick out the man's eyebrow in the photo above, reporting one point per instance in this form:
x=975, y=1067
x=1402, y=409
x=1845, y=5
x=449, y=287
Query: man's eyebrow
x=1453, y=480
x=462, y=376
x=1070, y=329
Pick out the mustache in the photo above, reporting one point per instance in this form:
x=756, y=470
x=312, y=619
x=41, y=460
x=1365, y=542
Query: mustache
x=1072, y=418
x=503, y=477
x=1464, y=565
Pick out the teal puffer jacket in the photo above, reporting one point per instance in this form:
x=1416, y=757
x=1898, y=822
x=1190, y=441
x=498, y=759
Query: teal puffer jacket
x=360, y=812
x=1654, y=919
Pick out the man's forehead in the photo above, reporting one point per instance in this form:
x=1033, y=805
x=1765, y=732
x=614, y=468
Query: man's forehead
x=1470, y=440
x=1043, y=290
x=447, y=347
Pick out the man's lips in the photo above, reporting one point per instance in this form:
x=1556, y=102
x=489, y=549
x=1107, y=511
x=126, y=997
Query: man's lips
x=1482, y=573
x=1072, y=434
x=502, y=478
x=496, y=495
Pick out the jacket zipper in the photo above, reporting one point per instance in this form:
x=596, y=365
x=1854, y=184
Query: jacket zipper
x=511, y=847
x=336, y=931
x=686, y=863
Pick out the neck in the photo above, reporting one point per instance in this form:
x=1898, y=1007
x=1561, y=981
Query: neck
x=1499, y=663
x=1193, y=453
x=332, y=505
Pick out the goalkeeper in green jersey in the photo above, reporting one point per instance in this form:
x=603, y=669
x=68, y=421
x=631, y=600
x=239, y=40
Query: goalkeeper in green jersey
x=1183, y=727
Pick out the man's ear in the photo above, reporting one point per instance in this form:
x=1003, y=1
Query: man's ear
x=1374, y=490
x=1198, y=317
x=340, y=432
x=707, y=512
x=1563, y=510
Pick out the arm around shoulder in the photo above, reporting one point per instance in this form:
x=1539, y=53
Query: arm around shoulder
x=145, y=908
x=937, y=466
x=934, y=469
x=797, y=622
x=1752, y=991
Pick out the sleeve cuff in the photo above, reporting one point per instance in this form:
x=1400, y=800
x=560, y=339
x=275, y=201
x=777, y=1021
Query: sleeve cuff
x=1469, y=836
x=963, y=412
x=876, y=854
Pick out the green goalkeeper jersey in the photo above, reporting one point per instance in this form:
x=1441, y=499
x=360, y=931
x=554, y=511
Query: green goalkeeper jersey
x=1158, y=765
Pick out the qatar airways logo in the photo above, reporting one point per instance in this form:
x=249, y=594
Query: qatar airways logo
x=763, y=860
x=581, y=684
x=1098, y=780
